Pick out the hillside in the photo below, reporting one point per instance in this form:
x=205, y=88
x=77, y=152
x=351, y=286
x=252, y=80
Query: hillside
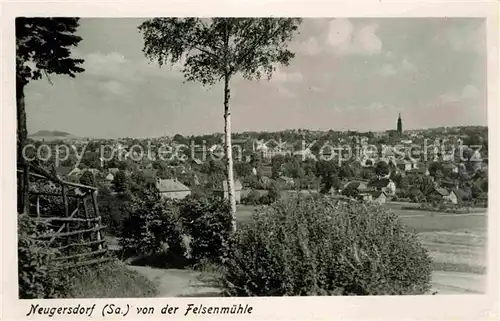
x=48, y=135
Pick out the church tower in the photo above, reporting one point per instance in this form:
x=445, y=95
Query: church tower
x=400, y=125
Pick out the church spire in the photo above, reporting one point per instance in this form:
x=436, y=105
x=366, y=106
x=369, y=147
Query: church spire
x=400, y=125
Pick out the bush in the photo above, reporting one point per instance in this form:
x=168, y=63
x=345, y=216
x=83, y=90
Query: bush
x=207, y=223
x=318, y=246
x=38, y=278
x=253, y=198
x=153, y=226
x=114, y=210
x=272, y=195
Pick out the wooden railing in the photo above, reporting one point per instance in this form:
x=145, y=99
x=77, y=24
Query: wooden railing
x=77, y=225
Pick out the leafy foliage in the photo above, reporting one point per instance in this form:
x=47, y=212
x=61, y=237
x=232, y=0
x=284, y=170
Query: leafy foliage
x=152, y=227
x=114, y=209
x=38, y=278
x=317, y=246
x=351, y=191
x=206, y=221
x=120, y=182
x=194, y=228
x=382, y=169
x=87, y=179
x=211, y=50
x=43, y=47
x=252, y=198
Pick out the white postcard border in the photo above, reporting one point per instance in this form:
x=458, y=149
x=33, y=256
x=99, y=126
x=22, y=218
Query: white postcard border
x=453, y=307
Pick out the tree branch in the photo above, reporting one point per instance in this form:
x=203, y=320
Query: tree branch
x=48, y=77
x=252, y=48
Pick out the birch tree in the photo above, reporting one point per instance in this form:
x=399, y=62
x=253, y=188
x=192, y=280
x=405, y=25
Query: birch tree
x=216, y=49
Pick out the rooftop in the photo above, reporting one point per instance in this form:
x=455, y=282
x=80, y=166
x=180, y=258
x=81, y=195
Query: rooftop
x=170, y=185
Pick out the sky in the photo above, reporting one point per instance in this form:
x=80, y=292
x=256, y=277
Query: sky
x=356, y=74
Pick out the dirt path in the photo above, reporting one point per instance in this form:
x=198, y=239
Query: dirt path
x=177, y=283
x=186, y=283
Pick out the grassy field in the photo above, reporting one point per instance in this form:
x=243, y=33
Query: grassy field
x=417, y=220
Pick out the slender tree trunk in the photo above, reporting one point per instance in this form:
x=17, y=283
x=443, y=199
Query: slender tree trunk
x=229, y=154
x=22, y=131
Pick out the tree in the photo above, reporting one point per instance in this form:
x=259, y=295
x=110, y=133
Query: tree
x=345, y=171
x=120, y=182
x=217, y=49
x=476, y=190
x=328, y=182
x=436, y=170
x=400, y=181
x=243, y=169
x=43, y=47
x=425, y=185
x=382, y=169
x=87, y=179
x=276, y=165
x=274, y=193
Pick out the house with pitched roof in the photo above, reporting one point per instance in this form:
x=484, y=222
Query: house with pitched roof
x=374, y=196
x=378, y=197
x=385, y=185
x=448, y=196
x=404, y=165
x=172, y=188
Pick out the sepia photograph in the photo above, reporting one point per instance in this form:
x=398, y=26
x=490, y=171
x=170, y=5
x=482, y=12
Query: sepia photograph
x=171, y=157
x=203, y=162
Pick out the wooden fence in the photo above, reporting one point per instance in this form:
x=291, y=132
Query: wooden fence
x=69, y=209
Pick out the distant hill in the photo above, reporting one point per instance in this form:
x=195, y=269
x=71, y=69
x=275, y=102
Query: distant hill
x=47, y=135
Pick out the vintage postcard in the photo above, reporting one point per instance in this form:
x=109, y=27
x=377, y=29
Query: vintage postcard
x=265, y=160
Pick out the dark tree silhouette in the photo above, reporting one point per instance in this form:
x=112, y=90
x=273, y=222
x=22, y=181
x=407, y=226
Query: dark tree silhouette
x=87, y=179
x=382, y=169
x=42, y=48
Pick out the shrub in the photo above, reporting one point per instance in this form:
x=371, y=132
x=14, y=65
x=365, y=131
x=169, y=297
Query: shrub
x=114, y=210
x=38, y=278
x=274, y=193
x=253, y=198
x=153, y=226
x=318, y=246
x=207, y=222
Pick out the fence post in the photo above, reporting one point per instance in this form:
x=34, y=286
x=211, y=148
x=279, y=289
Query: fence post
x=96, y=213
x=26, y=184
x=66, y=208
x=38, y=206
